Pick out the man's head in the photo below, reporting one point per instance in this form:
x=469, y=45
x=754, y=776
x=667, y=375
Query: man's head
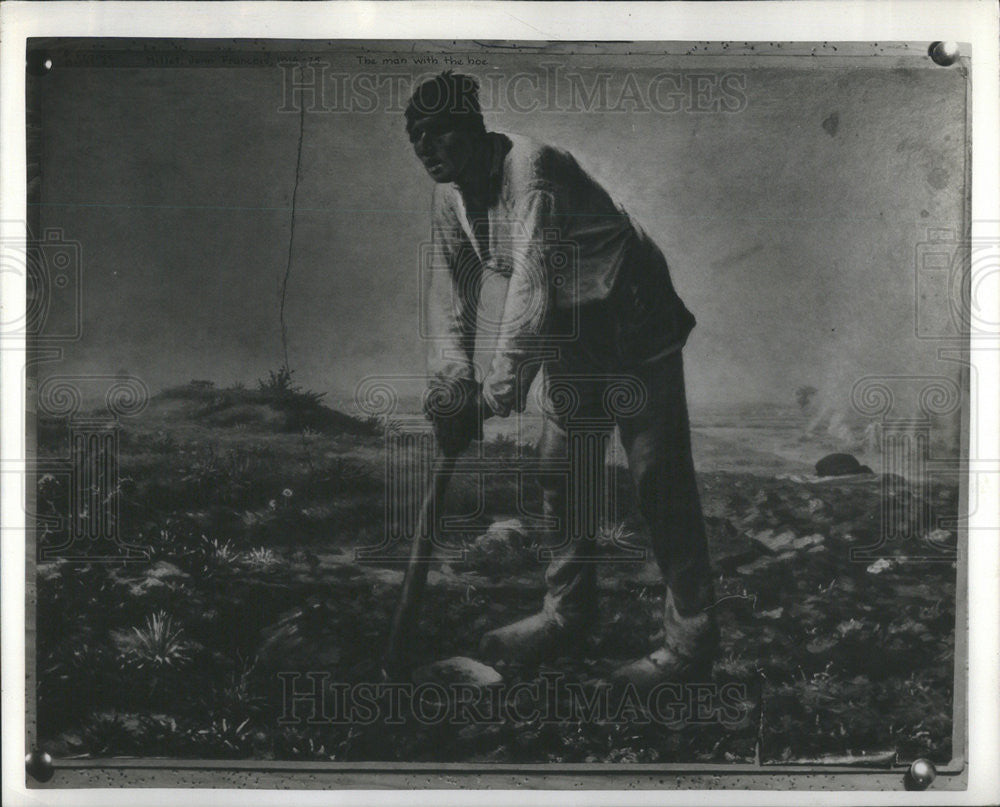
x=445, y=125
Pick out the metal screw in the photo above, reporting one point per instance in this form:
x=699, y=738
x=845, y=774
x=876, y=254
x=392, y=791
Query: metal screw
x=920, y=775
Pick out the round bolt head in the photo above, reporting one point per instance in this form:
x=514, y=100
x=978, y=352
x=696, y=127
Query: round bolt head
x=922, y=772
x=38, y=765
x=944, y=53
x=38, y=63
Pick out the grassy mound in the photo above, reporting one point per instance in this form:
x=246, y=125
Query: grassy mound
x=277, y=404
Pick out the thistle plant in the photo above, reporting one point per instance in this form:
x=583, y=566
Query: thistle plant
x=158, y=648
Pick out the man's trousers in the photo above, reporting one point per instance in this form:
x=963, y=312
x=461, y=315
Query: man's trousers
x=648, y=405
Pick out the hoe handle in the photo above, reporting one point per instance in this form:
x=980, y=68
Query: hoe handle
x=404, y=621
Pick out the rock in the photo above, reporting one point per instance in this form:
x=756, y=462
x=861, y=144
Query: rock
x=457, y=670
x=162, y=576
x=510, y=531
x=728, y=559
x=504, y=548
x=51, y=570
x=879, y=566
x=807, y=541
x=479, y=733
x=912, y=628
x=840, y=465
x=765, y=562
x=942, y=539
x=145, y=586
x=162, y=570
x=774, y=543
x=821, y=644
x=849, y=626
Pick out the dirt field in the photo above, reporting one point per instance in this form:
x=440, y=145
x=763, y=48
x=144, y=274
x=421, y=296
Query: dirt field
x=246, y=512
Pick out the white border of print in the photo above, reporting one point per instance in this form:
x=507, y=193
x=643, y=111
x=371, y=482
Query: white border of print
x=973, y=21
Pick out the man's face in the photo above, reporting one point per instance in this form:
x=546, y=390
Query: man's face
x=444, y=151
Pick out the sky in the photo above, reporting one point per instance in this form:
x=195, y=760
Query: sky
x=791, y=198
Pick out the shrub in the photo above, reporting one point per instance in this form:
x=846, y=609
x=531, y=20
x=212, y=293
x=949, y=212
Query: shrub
x=261, y=558
x=278, y=387
x=157, y=646
x=219, y=555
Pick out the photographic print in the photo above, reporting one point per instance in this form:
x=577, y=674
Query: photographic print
x=498, y=413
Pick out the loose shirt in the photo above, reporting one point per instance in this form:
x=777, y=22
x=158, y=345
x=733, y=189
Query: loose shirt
x=583, y=276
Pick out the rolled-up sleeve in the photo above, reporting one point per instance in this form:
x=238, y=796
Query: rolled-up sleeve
x=527, y=306
x=451, y=295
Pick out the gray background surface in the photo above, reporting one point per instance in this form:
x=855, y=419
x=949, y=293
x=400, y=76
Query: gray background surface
x=791, y=226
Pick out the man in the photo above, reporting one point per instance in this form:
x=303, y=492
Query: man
x=612, y=322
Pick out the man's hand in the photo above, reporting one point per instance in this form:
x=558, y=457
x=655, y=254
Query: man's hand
x=457, y=410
